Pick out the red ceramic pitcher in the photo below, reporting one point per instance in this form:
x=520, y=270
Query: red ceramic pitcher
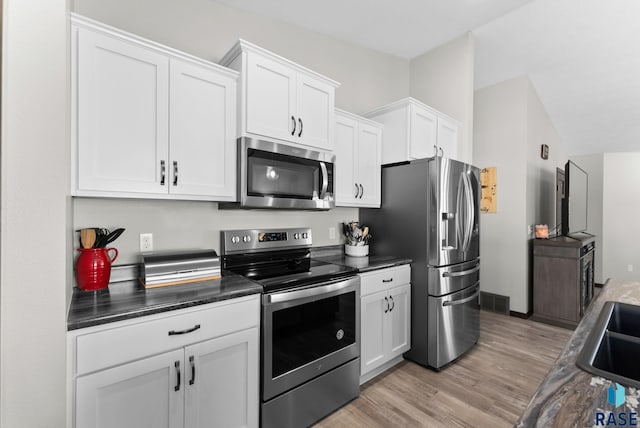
x=93, y=267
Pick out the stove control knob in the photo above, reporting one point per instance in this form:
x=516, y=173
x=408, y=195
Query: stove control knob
x=305, y=235
x=296, y=236
x=246, y=238
x=235, y=239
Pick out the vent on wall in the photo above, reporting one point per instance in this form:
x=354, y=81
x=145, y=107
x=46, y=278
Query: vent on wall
x=494, y=302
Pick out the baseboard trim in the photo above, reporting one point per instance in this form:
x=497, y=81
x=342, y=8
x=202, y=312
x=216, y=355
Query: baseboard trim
x=520, y=314
x=379, y=370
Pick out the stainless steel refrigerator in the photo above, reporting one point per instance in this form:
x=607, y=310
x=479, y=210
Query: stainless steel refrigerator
x=430, y=213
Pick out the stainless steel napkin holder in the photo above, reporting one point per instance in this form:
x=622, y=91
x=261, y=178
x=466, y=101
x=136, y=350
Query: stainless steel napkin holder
x=161, y=269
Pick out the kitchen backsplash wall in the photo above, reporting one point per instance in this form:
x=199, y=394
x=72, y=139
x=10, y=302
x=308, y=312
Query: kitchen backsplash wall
x=186, y=224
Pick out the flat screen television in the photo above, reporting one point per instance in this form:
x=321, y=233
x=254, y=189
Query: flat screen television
x=574, y=204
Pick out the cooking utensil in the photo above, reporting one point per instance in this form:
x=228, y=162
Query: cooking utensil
x=87, y=238
x=111, y=237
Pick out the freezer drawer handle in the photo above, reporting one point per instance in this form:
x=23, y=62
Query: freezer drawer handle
x=463, y=301
x=476, y=268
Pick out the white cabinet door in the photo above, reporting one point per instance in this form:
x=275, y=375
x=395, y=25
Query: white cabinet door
x=221, y=381
x=144, y=394
x=202, y=118
x=448, y=137
x=315, y=112
x=399, y=320
x=122, y=115
x=423, y=132
x=368, y=164
x=271, y=99
x=373, y=331
x=346, y=182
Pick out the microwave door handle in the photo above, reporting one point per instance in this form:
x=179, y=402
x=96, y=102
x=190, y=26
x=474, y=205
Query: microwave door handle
x=325, y=180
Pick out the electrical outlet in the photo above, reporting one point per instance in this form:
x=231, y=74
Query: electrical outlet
x=332, y=233
x=146, y=242
x=530, y=229
x=629, y=268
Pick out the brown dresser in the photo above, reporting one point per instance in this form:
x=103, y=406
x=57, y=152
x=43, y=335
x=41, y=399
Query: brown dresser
x=563, y=280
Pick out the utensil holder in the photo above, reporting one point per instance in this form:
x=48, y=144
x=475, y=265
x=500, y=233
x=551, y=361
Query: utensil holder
x=356, y=250
x=93, y=268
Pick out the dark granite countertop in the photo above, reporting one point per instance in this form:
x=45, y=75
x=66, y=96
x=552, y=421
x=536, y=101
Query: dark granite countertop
x=128, y=299
x=570, y=396
x=364, y=264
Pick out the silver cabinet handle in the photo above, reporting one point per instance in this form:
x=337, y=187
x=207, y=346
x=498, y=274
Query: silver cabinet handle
x=178, y=380
x=175, y=173
x=386, y=299
x=300, y=122
x=393, y=303
x=293, y=119
x=361, y=190
x=388, y=280
x=357, y=191
x=163, y=172
x=193, y=370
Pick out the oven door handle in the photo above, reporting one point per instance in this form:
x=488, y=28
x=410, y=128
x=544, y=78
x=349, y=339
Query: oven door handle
x=325, y=180
x=287, y=296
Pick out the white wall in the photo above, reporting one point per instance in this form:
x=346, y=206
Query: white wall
x=443, y=79
x=187, y=225
x=510, y=123
x=499, y=138
x=34, y=165
x=593, y=165
x=621, y=209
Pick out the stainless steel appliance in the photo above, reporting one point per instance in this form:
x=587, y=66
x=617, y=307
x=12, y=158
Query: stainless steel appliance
x=310, y=332
x=274, y=175
x=430, y=213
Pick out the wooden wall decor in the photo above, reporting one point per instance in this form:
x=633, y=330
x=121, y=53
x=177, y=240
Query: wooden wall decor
x=489, y=201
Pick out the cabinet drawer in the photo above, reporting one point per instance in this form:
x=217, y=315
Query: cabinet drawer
x=384, y=279
x=118, y=343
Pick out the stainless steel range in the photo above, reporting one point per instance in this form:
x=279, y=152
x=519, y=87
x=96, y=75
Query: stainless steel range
x=310, y=333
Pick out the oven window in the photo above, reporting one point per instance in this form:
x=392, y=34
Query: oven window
x=310, y=331
x=278, y=175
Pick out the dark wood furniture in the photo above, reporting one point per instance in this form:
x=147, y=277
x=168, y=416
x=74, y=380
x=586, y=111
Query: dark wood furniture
x=563, y=281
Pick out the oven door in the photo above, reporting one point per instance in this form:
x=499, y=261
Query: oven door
x=279, y=176
x=307, y=332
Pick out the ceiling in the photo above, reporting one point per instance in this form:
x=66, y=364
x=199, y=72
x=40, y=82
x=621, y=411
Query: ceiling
x=582, y=56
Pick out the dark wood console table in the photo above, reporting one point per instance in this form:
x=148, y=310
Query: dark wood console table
x=563, y=278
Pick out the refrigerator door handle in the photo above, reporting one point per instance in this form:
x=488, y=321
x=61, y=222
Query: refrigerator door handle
x=465, y=300
x=470, y=212
x=476, y=268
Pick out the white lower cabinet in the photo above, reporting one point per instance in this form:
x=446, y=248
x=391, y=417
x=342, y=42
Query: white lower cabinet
x=385, y=319
x=209, y=380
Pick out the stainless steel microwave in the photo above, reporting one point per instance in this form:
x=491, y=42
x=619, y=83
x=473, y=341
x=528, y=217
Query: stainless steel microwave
x=274, y=175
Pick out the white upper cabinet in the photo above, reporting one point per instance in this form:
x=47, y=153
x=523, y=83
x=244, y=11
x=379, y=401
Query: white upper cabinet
x=413, y=130
x=357, y=150
x=281, y=100
x=149, y=121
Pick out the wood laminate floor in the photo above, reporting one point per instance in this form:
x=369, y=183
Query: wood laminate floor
x=490, y=386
